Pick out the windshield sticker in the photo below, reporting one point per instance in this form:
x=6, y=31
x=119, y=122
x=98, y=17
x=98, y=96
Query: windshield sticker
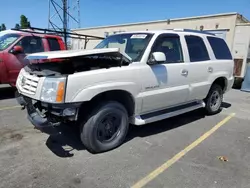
x=138, y=36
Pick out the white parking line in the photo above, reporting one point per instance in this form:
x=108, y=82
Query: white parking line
x=9, y=108
x=141, y=183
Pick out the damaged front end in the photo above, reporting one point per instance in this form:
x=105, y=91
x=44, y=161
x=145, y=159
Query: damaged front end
x=42, y=86
x=48, y=117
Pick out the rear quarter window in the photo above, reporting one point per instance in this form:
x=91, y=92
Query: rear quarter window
x=220, y=48
x=53, y=44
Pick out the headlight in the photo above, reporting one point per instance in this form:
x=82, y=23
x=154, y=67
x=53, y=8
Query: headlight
x=53, y=90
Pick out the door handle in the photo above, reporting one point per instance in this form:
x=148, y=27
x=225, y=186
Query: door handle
x=184, y=72
x=210, y=69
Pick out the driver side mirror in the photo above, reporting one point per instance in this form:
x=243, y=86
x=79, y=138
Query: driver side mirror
x=157, y=57
x=17, y=50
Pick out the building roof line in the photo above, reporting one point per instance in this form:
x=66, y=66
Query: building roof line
x=243, y=24
x=243, y=18
x=165, y=20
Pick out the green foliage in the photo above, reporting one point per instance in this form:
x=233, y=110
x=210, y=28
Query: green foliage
x=17, y=26
x=2, y=27
x=24, y=23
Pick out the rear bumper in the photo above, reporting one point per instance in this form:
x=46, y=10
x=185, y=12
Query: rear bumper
x=55, y=115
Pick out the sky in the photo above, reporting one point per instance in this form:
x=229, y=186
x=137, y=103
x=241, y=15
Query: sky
x=110, y=12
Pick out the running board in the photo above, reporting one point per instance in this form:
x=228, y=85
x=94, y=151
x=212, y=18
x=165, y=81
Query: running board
x=171, y=112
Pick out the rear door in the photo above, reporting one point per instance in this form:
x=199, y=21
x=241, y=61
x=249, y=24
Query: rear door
x=14, y=62
x=200, y=66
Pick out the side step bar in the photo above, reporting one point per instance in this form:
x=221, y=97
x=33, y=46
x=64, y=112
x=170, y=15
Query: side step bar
x=167, y=113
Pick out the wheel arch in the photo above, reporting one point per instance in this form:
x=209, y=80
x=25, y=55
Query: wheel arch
x=221, y=81
x=122, y=96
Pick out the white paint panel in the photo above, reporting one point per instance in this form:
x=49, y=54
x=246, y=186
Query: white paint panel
x=74, y=53
x=167, y=86
x=241, y=42
x=241, y=45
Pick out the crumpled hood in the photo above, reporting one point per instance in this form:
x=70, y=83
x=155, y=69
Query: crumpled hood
x=75, y=53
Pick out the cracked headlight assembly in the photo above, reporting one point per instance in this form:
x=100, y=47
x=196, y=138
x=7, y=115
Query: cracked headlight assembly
x=53, y=90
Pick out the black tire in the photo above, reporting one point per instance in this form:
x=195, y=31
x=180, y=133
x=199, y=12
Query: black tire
x=237, y=83
x=214, y=100
x=110, y=117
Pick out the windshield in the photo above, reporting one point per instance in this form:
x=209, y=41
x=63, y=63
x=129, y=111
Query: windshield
x=7, y=39
x=133, y=45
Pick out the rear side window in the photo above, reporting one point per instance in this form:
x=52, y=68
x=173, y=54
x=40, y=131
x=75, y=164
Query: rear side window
x=53, y=44
x=220, y=48
x=196, y=48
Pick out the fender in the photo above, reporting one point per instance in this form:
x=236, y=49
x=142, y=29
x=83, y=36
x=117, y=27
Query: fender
x=87, y=93
x=219, y=75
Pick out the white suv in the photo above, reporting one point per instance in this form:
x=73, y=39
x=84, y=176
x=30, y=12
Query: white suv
x=133, y=77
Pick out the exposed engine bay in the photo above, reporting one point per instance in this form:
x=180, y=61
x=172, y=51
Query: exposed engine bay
x=71, y=65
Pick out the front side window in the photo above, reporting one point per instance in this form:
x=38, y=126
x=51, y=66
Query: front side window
x=133, y=45
x=31, y=44
x=170, y=45
x=220, y=48
x=7, y=40
x=196, y=48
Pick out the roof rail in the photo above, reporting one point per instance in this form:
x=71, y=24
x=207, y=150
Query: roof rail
x=194, y=31
x=59, y=33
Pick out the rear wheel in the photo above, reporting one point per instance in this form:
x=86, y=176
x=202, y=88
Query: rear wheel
x=105, y=128
x=214, y=100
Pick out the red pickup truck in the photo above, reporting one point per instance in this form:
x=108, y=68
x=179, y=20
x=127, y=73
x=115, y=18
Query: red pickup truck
x=15, y=45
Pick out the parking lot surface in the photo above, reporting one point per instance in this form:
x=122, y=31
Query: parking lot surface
x=29, y=158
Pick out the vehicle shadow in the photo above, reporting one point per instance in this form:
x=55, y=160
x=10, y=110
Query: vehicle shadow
x=226, y=105
x=63, y=145
x=7, y=93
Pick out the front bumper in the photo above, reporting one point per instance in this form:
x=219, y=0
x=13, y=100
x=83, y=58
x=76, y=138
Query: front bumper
x=48, y=117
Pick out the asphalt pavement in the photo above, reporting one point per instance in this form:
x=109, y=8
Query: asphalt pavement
x=159, y=152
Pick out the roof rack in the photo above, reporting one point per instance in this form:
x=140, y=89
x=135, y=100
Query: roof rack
x=193, y=31
x=63, y=34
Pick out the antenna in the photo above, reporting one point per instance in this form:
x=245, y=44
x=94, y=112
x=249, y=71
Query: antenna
x=64, y=15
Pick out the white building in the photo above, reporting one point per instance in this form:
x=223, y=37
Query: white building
x=233, y=27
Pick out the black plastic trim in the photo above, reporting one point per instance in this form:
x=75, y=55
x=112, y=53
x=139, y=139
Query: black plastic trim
x=43, y=123
x=168, y=110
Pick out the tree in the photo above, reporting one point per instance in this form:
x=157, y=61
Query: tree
x=24, y=23
x=17, y=26
x=2, y=27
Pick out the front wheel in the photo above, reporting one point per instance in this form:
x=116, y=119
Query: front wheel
x=105, y=128
x=214, y=99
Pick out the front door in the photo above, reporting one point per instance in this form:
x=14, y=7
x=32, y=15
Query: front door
x=166, y=84
x=14, y=62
